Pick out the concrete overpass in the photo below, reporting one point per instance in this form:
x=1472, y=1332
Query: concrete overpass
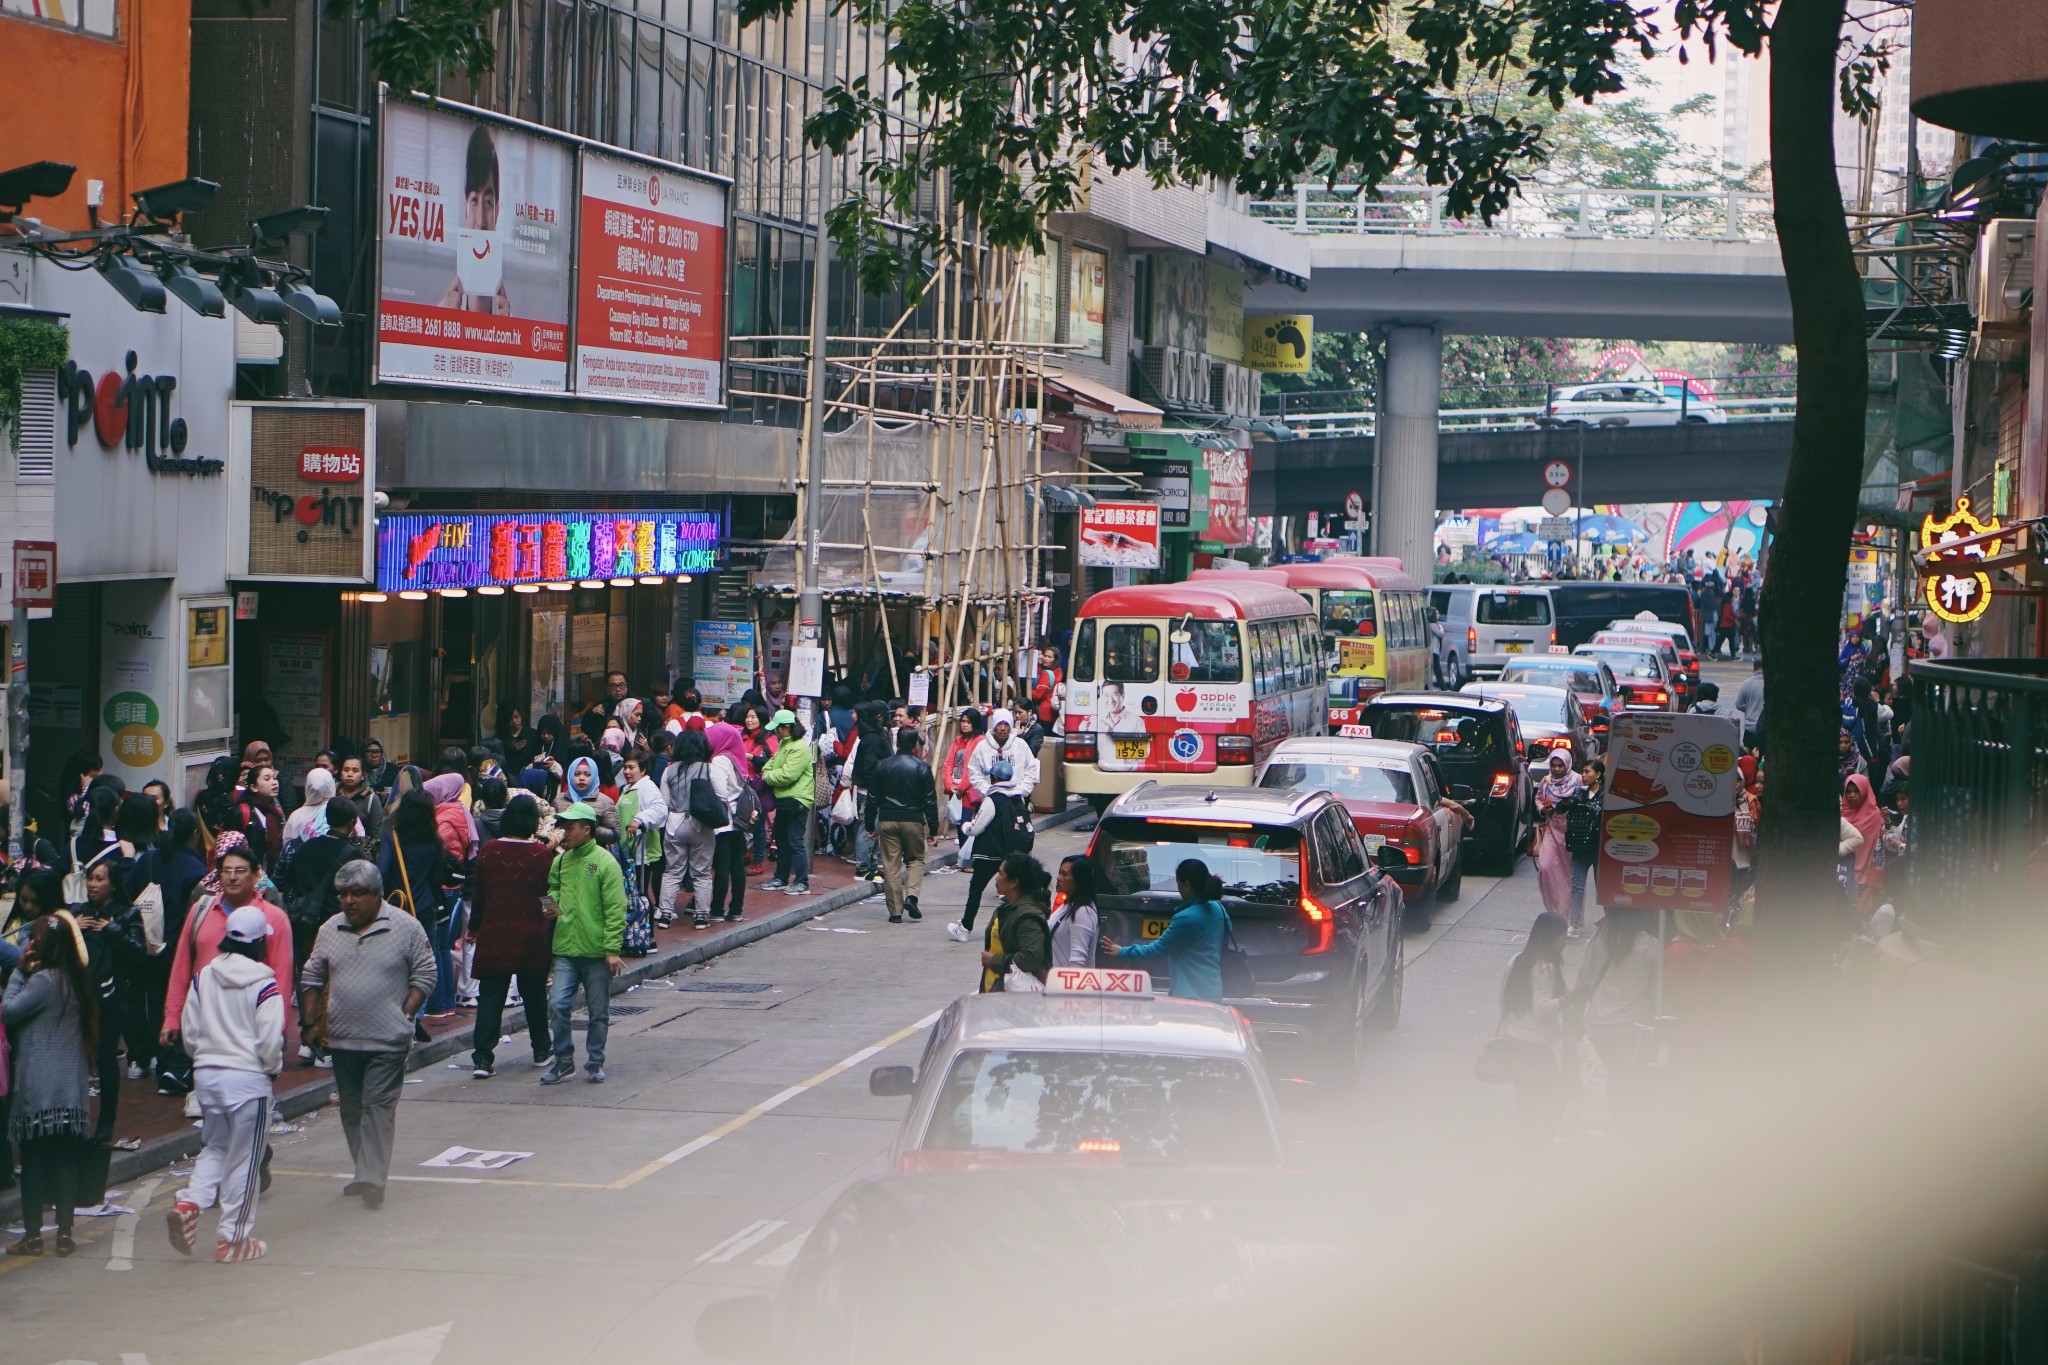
x=1566, y=261
x=1739, y=460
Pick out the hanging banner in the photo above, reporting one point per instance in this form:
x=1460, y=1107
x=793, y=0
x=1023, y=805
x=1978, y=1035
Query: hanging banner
x=722, y=660
x=650, y=291
x=1667, y=823
x=1230, y=496
x=472, y=252
x=1120, y=535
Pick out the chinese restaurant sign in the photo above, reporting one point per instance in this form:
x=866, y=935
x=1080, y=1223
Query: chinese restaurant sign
x=420, y=551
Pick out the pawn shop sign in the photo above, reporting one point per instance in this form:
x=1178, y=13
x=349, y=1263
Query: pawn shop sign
x=1959, y=597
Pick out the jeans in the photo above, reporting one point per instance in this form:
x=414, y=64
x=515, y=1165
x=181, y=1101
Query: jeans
x=728, y=874
x=442, y=1000
x=595, y=978
x=1582, y=870
x=863, y=842
x=792, y=840
x=490, y=1015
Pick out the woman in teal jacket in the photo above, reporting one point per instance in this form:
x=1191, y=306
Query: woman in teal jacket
x=1193, y=942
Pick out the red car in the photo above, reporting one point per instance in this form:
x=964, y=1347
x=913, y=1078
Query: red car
x=1394, y=792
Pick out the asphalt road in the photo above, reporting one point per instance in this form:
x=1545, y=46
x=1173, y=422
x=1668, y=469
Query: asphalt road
x=737, y=1108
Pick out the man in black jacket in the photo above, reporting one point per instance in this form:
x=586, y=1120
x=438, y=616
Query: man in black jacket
x=903, y=809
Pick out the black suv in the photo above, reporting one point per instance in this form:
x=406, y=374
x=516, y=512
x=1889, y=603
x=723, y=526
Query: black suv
x=1479, y=744
x=1318, y=922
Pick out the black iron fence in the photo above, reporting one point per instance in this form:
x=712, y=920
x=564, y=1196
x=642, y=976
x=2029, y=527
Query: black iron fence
x=1945, y=1310
x=1979, y=790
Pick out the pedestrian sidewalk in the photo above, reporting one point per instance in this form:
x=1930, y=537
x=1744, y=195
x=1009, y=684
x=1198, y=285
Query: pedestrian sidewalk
x=163, y=1134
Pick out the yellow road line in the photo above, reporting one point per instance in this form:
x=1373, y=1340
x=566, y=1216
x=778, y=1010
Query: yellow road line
x=769, y=1105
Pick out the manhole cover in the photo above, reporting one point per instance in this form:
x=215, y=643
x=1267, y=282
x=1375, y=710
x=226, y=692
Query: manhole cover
x=726, y=987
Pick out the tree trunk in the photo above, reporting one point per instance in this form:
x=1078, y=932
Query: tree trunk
x=1798, y=901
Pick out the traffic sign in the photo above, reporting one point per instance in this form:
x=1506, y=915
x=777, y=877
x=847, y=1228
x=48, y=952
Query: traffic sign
x=1556, y=501
x=35, y=573
x=1554, y=528
x=1557, y=474
x=1354, y=504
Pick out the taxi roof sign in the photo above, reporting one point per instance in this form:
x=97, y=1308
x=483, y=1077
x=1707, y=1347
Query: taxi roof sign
x=1117, y=981
x=1355, y=731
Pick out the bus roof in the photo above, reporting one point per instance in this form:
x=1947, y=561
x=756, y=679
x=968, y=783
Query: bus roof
x=1345, y=573
x=1256, y=599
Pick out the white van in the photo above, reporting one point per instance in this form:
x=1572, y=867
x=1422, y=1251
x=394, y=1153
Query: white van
x=1486, y=624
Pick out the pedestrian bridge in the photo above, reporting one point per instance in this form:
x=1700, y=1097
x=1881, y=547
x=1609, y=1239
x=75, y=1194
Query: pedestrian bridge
x=1563, y=261
x=1739, y=460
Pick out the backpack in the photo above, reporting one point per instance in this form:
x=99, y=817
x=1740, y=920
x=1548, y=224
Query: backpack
x=1581, y=825
x=1011, y=830
x=704, y=806
x=746, y=807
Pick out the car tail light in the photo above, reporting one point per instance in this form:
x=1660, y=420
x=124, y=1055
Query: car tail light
x=1561, y=746
x=1502, y=782
x=1233, y=750
x=1080, y=748
x=1553, y=636
x=1471, y=639
x=1372, y=685
x=1099, y=1146
x=1661, y=697
x=1324, y=923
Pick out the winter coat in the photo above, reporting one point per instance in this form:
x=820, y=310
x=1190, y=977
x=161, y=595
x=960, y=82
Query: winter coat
x=789, y=773
x=51, y=1094
x=1018, y=936
x=589, y=886
x=511, y=934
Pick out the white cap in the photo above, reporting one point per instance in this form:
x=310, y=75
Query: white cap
x=248, y=925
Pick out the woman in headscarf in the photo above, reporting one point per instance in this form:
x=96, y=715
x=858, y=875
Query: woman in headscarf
x=1553, y=856
x=584, y=781
x=627, y=714
x=452, y=821
x=321, y=787
x=1860, y=808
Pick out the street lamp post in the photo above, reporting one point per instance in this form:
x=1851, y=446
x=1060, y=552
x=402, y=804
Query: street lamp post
x=810, y=601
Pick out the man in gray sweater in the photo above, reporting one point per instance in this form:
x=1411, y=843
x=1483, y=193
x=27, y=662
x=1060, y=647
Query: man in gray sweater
x=370, y=970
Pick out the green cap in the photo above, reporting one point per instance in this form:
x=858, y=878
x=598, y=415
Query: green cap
x=781, y=718
x=579, y=811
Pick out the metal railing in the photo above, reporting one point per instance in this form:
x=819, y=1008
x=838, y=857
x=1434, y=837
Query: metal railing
x=1980, y=792
x=1589, y=211
x=1348, y=412
x=1950, y=1310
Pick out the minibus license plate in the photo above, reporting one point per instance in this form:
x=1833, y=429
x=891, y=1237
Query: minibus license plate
x=1134, y=750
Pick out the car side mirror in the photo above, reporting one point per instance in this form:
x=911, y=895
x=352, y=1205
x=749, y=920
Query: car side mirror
x=1389, y=858
x=740, y=1330
x=1461, y=793
x=891, y=1081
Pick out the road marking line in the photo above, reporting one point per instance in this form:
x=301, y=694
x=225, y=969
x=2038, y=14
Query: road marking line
x=773, y=1102
x=454, y=1180
x=750, y=1235
x=786, y=1253
x=123, y=1257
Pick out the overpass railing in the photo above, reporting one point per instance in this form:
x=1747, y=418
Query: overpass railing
x=1591, y=211
x=1349, y=412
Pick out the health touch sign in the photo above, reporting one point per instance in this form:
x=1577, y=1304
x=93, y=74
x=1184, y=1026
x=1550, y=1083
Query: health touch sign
x=650, y=294
x=1667, y=824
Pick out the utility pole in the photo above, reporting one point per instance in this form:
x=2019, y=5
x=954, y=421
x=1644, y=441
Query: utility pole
x=810, y=600
x=17, y=734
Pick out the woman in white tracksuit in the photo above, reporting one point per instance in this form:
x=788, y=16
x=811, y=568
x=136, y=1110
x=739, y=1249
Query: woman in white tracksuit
x=233, y=1026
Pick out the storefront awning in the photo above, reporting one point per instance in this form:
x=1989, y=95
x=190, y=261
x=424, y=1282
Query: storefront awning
x=1088, y=393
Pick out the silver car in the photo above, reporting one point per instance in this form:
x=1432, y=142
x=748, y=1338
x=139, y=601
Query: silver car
x=1630, y=404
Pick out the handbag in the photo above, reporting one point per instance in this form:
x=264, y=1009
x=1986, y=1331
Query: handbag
x=955, y=812
x=74, y=880
x=746, y=807
x=1019, y=981
x=845, y=810
x=149, y=910
x=1236, y=964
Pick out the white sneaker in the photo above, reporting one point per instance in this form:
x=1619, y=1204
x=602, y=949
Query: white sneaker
x=136, y=1071
x=305, y=1053
x=192, y=1106
x=956, y=933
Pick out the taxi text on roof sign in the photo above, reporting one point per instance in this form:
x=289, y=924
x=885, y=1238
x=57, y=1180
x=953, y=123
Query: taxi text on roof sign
x=1099, y=981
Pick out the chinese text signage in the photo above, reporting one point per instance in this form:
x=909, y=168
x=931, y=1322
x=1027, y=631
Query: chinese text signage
x=419, y=551
x=1959, y=597
x=650, y=294
x=1120, y=535
x=308, y=485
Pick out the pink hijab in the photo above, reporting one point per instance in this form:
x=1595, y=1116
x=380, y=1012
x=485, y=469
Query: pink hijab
x=728, y=740
x=1868, y=819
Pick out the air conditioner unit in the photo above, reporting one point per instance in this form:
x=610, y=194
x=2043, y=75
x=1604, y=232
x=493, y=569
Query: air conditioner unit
x=1161, y=369
x=2002, y=273
x=1194, y=379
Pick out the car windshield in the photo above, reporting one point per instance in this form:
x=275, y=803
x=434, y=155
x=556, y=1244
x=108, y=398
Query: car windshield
x=1629, y=663
x=1254, y=862
x=1453, y=734
x=1352, y=781
x=1210, y=653
x=1130, y=1106
x=1513, y=609
x=1578, y=677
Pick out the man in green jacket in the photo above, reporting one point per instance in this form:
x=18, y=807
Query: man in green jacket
x=792, y=780
x=587, y=901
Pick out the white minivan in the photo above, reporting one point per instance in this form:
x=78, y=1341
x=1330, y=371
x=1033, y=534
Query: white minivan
x=1487, y=624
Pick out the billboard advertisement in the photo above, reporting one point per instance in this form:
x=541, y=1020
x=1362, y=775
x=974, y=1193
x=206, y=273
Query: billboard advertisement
x=1120, y=535
x=473, y=252
x=1667, y=822
x=422, y=551
x=650, y=288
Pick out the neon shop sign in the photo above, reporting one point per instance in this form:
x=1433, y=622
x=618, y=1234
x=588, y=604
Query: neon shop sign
x=422, y=551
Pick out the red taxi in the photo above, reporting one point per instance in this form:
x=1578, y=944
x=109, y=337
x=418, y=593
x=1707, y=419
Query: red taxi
x=1394, y=794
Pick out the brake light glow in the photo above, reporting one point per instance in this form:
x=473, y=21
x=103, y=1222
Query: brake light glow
x=1100, y=1146
x=1502, y=782
x=1204, y=824
x=1080, y=748
x=1660, y=696
x=1560, y=745
x=1324, y=922
x=1233, y=749
x=1471, y=638
x=1553, y=636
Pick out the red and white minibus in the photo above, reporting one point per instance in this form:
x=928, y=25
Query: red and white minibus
x=1188, y=683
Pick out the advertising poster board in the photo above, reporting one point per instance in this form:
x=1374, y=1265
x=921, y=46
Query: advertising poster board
x=1120, y=535
x=473, y=252
x=1230, y=496
x=650, y=291
x=428, y=550
x=1173, y=481
x=722, y=660
x=1667, y=822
